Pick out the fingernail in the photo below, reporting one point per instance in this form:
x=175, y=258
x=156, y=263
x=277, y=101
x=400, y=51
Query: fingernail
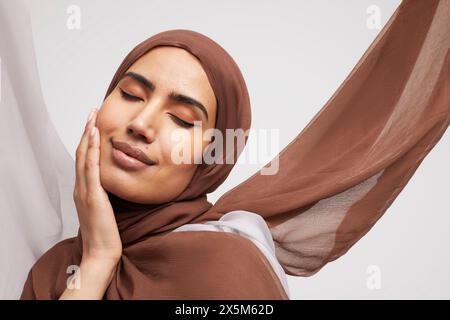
x=91, y=115
x=93, y=131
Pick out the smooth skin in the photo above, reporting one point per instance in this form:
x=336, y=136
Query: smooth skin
x=148, y=120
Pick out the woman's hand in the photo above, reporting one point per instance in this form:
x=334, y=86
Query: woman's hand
x=101, y=239
x=102, y=247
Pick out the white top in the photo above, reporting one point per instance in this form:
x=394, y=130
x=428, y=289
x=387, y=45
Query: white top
x=249, y=225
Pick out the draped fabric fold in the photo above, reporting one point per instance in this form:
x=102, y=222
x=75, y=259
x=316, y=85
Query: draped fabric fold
x=36, y=171
x=343, y=171
x=335, y=179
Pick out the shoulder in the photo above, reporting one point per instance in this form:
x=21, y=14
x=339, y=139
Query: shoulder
x=225, y=266
x=55, y=254
x=213, y=244
x=47, y=270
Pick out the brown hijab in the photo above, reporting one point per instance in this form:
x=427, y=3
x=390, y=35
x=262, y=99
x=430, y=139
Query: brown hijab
x=335, y=179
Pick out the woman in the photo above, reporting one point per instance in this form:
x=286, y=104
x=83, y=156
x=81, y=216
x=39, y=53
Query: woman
x=335, y=180
x=160, y=92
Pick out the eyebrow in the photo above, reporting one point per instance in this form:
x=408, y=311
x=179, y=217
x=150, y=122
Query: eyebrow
x=174, y=96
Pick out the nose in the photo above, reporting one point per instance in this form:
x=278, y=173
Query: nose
x=144, y=125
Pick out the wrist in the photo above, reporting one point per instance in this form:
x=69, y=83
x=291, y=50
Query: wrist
x=94, y=277
x=98, y=266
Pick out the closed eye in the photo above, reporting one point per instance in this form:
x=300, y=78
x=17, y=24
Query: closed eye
x=181, y=122
x=128, y=96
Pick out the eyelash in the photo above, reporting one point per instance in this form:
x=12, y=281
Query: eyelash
x=129, y=97
x=180, y=122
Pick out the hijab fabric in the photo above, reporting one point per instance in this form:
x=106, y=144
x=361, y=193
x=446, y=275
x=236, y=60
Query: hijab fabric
x=336, y=178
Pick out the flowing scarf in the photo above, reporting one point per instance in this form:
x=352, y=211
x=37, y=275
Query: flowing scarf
x=336, y=178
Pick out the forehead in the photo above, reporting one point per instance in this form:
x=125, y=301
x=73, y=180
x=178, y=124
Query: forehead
x=172, y=66
x=173, y=69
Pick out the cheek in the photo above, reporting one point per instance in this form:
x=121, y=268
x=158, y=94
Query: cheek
x=181, y=144
x=110, y=116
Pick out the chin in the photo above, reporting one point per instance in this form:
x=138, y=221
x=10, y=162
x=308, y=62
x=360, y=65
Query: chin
x=118, y=187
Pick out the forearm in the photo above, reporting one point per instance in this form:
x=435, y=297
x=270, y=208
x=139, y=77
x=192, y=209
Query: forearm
x=95, y=276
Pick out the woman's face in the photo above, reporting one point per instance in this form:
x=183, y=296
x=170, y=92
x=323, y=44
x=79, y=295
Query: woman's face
x=157, y=100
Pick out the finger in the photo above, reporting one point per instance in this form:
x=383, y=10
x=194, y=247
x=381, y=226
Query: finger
x=82, y=150
x=92, y=165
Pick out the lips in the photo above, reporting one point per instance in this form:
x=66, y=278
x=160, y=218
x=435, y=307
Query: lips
x=133, y=152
